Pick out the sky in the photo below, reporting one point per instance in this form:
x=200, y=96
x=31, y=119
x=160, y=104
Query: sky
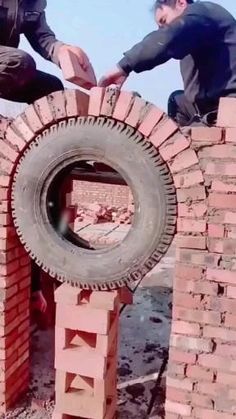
x=105, y=29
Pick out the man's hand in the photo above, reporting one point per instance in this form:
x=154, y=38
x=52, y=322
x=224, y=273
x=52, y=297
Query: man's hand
x=79, y=70
x=116, y=76
x=39, y=301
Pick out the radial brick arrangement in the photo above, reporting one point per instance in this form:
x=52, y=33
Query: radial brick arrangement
x=201, y=380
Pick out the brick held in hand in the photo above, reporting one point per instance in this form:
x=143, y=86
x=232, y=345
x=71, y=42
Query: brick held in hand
x=73, y=72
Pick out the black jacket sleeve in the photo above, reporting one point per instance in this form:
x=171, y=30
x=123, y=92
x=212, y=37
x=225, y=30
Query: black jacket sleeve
x=176, y=40
x=42, y=39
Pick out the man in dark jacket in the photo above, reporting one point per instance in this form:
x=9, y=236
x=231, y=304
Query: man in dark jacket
x=19, y=79
x=202, y=35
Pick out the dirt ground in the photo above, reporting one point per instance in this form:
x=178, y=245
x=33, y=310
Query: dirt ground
x=145, y=329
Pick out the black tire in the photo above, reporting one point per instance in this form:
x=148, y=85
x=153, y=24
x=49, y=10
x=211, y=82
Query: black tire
x=122, y=148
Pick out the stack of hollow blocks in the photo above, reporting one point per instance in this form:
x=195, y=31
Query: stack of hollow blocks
x=86, y=343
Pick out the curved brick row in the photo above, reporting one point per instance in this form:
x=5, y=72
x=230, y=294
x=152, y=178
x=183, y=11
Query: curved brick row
x=202, y=368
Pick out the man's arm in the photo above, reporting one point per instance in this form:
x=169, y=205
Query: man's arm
x=177, y=40
x=43, y=39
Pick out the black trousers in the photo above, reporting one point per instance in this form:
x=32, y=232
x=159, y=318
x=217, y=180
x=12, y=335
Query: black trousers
x=183, y=111
x=20, y=81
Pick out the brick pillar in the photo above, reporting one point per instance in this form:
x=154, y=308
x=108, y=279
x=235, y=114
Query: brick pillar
x=201, y=379
x=86, y=353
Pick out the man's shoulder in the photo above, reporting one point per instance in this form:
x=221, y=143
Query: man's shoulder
x=208, y=8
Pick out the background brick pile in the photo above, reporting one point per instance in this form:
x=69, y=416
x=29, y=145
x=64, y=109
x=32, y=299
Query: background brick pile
x=201, y=379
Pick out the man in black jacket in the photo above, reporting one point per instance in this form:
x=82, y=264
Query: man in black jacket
x=202, y=35
x=19, y=79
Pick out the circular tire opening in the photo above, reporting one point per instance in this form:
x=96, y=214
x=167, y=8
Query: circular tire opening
x=91, y=205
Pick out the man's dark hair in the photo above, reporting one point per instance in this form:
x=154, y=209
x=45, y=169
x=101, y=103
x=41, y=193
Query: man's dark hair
x=171, y=3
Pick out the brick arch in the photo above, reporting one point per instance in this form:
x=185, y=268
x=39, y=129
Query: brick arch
x=204, y=305
x=154, y=125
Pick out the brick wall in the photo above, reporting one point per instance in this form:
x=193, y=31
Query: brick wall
x=201, y=379
x=101, y=193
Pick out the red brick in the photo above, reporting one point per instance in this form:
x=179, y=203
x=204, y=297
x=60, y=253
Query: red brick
x=163, y=132
x=197, y=257
x=225, y=169
x=196, y=287
x=150, y=121
x=184, y=160
x=77, y=103
x=167, y=416
x=223, y=348
x=226, y=112
x=96, y=99
x=226, y=379
x=109, y=101
x=220, y=333
x=230, y=320
x=198, y=242
x=171, y=150
x=215, y=245
x=179, y=383
x=66, y=294
x=15, y=138
x=196, y=210
x=194, y=226
x=230, y=218
x=6, y=166
x=213, y=134
x=4, y=180
x=217, y=362
x=181, y=409
x=185, y=328
x=188, y=179
x=75, y=361
x=104, y=300
x=211, y=414
x=8, y=151
x=222, y=201
x=220, y=275
x=176, y=355
x=223, y=151
x=230, y=135
x=33, y=119
x=186, y=271
x=137, y=112
x=212, y=389
x=177, y=395
x=215, y=230
x=44, y=111
x=123, y=105
x=231, y=291
x=176, y=370
x=202, y=401
x=220, y=304
x=192, y=344
x=186, y=300
x=82, y=318
x=196, y=372
x=23, y=128
x=196, y=193
x=57, y=103
x=198, y=316
x=219, y=186
x=73, y=72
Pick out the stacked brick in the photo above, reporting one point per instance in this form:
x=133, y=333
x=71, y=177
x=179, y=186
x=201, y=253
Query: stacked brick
x=201, y=379
x=86, y=353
